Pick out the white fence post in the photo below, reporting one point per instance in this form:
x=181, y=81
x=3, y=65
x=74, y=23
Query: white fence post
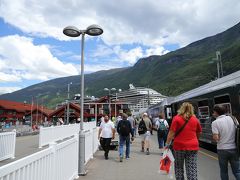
x=7, y=145
x=52, y=146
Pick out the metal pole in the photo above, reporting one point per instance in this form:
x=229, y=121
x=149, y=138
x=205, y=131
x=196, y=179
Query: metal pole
x=148, y=99
x=218, y=69
x=219, y=64
x=109, y=104
x=95, y=111
x=220, y=61
x=116, y=106
x=81, y=165
x=31, y=114
x=68, y=104
x=37, y=113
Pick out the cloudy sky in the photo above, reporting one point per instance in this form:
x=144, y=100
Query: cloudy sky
x=33, y=48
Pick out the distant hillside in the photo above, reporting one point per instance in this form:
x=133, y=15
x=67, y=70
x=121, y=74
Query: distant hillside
x=170, y=74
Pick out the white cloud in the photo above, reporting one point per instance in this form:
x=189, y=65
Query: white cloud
x=4, y=90
x=125, y=56
x=4, y=77
x=148, y=22
x=89, y=68
x=129, y=56
x=159, y=50
x=20, y=59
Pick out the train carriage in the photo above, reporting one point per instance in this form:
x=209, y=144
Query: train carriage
x=224, y=91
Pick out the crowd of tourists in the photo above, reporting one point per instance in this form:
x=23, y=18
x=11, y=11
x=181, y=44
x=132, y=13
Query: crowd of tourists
x=181, y=137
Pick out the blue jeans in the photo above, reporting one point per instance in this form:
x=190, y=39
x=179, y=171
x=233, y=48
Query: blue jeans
x=123, y=140
x=231, y=156
x=162, y=139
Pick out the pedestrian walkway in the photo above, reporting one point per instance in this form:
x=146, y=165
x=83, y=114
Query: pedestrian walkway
x=144, y=167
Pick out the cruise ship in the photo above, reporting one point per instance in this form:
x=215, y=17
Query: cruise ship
x=139, y=98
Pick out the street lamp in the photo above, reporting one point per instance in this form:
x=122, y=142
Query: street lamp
x=68, y=91
x=109, y=101
x=72, y=31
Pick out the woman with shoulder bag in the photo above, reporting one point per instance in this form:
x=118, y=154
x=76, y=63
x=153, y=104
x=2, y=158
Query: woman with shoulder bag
x=185, y=130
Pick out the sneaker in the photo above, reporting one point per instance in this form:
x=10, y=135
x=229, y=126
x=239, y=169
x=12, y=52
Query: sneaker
x=142, y=150
x=147, y=153
x=121, y=159
x=127, y=157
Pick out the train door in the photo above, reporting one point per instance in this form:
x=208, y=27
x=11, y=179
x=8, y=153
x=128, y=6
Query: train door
x=168, y=113
x=203, y=113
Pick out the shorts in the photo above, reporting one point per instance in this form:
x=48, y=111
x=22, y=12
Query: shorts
x=146, y=136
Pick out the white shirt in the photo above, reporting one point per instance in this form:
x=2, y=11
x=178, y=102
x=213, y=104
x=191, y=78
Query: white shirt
x=131, y=120
x=106, y=129
x=157, y=123
x=225, y=128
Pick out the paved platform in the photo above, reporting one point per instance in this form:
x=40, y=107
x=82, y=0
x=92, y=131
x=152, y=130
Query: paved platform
x=138, y=167
x=144, y=167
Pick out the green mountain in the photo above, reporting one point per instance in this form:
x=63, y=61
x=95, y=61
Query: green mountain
x=170, y=74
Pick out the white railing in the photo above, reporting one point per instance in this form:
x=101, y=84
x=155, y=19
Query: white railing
x=56, y=133
x=89, y=125
x=59, y=161
x=67, y=159
x=95, y=139
x=88, y=145
x=7, y=145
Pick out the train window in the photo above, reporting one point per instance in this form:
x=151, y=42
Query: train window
x=222, y=99
x=227, y=107
x=203, y=112
x=225, y=101
x=203, y=103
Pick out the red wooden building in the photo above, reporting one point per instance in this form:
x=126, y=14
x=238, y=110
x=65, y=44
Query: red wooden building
x=12, y=112
x=92, y=110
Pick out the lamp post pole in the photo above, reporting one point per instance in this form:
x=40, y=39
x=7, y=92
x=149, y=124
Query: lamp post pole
x=68, y=98
x=82, y=83
x=72, y=31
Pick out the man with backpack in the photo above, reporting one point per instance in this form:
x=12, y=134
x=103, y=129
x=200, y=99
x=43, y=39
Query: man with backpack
x=224, y=131
x=144, y=128
x=124, y=130
x=162, y=130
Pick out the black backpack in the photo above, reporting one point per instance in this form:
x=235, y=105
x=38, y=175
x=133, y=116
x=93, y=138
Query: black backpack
x=124, y=128
x=237, y=134
x=142, y=129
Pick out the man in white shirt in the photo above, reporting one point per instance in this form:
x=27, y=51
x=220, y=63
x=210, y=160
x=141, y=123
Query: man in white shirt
x=223, y=130
x=106, y=133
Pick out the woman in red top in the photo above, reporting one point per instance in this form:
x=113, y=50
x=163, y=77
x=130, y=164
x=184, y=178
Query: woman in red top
x=185, y=144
